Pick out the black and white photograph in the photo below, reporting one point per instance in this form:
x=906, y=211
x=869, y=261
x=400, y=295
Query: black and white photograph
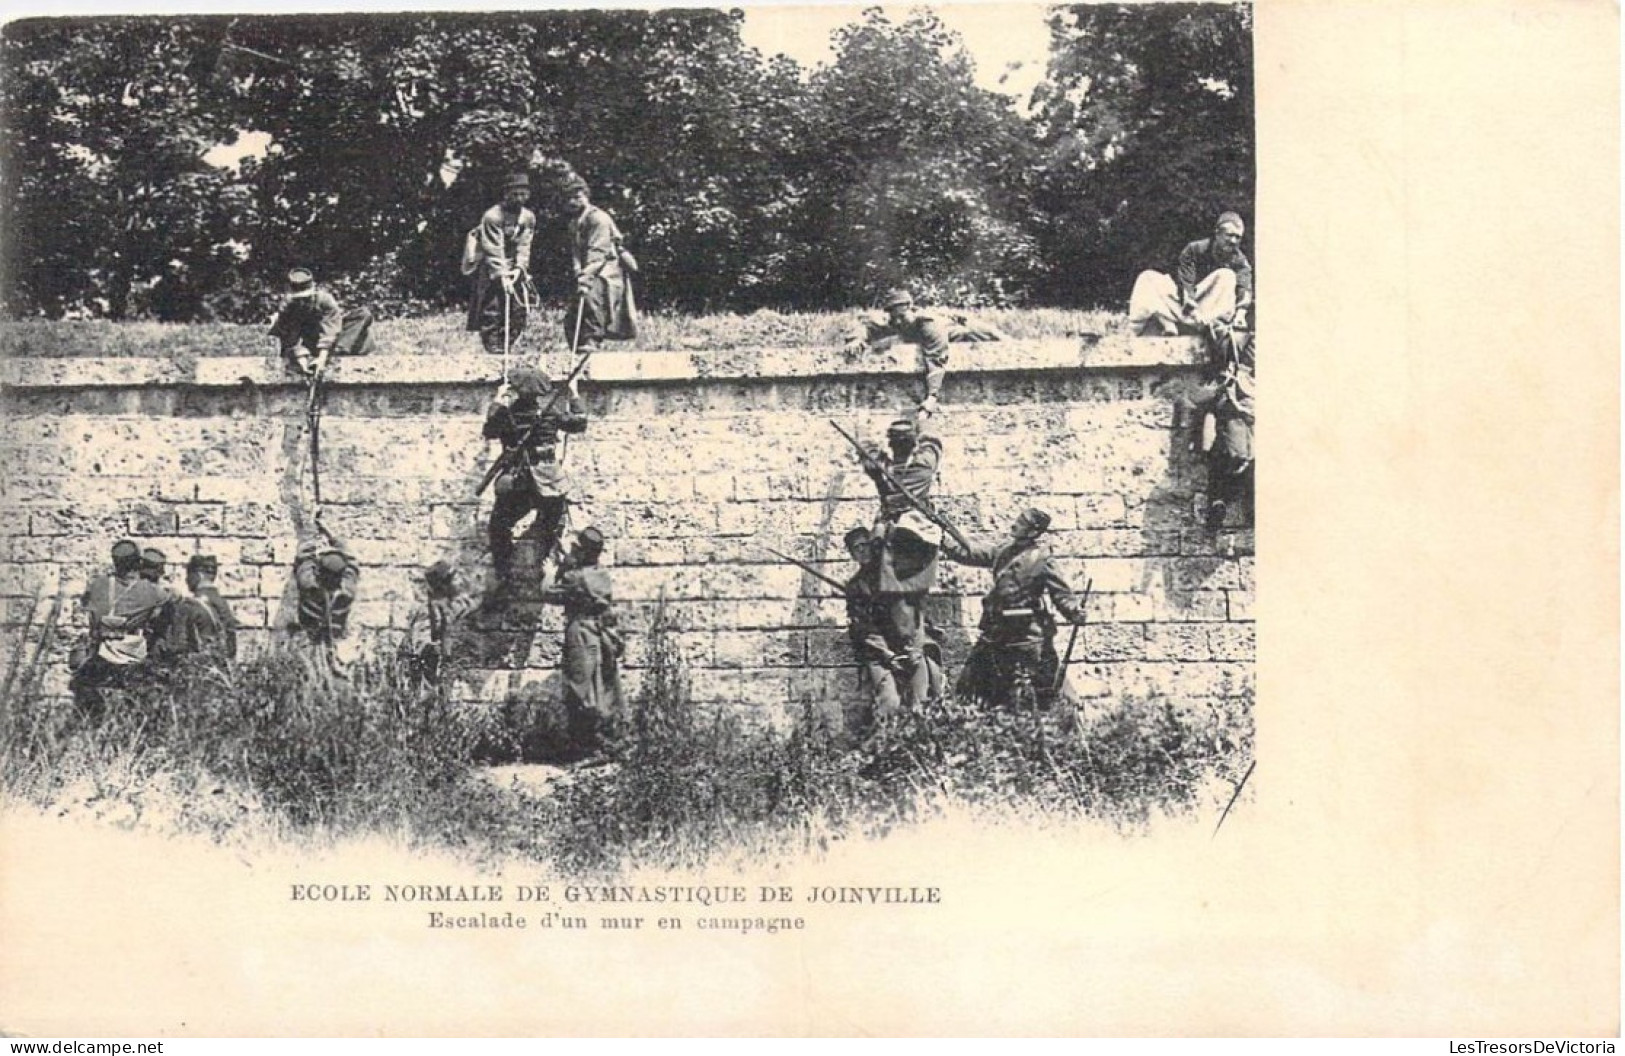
x=537, y=492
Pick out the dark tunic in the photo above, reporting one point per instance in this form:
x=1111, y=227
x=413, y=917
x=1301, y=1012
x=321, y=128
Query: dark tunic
x=908, y=563
x=1016, y=647
x=592, y=646
x=609, y=308
x=1202, y=258
x=524, y=424
x=203, y=624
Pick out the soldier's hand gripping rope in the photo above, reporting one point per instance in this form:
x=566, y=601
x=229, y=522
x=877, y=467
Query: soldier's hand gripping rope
x=913, y=500
x=507, y=455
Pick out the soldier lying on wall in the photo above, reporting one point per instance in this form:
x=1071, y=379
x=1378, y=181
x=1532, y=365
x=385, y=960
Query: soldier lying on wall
x=311, y=326
x=931, y=330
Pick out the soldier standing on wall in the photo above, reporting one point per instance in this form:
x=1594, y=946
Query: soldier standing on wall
x=528, y=415
x=1014, y=660
x=604, y=308
x=498, y=257
x=592, y=644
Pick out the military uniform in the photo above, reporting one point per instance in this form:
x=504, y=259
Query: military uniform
x=908, y=546
x=429, y=633
x=1015, y=653
x=324, y=585
x=1226, y=436
x=592, y=644
x=930, y=331
x=604, y=299
x=533, y=478
x=202, y=624
x=120, y=608
x=311, y=325
x=1213, y=279
x=502, y=248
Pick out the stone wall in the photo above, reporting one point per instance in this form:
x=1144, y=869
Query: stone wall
x=692, y=464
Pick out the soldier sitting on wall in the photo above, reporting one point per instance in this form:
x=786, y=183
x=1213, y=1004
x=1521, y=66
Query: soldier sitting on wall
x=930, y=330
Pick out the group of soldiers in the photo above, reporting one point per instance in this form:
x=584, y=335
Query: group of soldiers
x=136, y=622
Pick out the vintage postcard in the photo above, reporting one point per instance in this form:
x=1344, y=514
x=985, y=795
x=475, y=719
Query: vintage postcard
x=748, y=521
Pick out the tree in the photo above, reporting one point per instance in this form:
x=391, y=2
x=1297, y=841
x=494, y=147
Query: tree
x=104, y=191
x=1146, y=124
x=915, y=175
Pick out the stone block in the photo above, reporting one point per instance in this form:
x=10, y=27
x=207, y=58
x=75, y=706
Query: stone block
x=1233, y=641
x=1239, y=604
x=200, y=519
x=1112, y=641
x=1177, y=641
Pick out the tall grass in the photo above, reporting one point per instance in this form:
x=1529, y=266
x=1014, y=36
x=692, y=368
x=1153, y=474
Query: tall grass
x=279, y=741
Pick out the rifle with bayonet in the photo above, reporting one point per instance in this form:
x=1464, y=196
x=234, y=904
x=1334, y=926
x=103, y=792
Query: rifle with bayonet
x=811, y=571
x=509, y=453
x=913, y=500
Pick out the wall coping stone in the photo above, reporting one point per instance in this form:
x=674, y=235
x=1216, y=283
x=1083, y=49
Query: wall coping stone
x=1115, y=351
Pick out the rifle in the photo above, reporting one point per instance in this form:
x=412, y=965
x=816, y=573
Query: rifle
x=913, y=500
x=811, y=571
x=313, y=420
x=508, y=455
x=1072, y=640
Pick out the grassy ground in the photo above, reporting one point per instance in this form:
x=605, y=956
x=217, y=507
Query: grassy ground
x=271, y=746
x=444, y=333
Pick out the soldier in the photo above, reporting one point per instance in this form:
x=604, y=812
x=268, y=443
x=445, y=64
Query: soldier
x=907, y=544
x=202, y=624
x=1014, y=659
x=876, y=661
x=325, y=578
x=1226, y=435
x=931, y=331
x=154, y=569
x=527, y=416
x=1215, y=280
x=592, y=644
x=119, y=607
x=500, y=267
x=311, y=326
x=604, y=308
x=428, y=634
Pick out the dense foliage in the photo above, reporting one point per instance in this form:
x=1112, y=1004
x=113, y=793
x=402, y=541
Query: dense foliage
x=742, y=181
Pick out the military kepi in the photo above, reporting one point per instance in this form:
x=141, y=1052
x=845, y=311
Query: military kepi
x=1033, y=522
